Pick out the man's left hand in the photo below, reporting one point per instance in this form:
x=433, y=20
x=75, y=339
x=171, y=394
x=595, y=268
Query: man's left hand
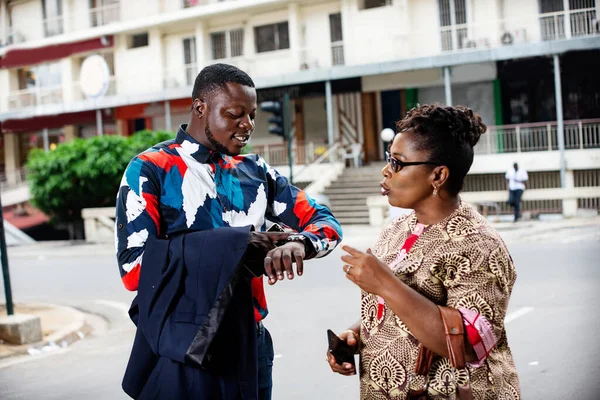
x=279, y=261
x=366, y=271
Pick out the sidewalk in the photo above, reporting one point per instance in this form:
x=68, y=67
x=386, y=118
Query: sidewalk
x=61, y=326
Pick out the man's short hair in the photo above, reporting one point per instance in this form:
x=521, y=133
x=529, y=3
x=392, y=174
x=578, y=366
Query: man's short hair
x=217, y=76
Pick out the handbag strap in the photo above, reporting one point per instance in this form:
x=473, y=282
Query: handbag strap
x=454, y=330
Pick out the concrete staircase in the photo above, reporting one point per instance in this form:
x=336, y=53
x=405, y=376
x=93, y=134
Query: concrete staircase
x=348, y=194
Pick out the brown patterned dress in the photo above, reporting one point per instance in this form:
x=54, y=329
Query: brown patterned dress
x=460, y=262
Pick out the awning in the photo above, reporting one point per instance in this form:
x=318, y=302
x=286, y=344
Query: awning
x=31, y=56
x=53, y=121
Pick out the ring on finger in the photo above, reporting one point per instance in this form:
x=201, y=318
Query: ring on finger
x=348, y=267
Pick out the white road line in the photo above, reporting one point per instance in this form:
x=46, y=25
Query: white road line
x=517, y=314
x=115, y=304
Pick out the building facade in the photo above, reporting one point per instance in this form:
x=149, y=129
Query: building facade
x=352, y=68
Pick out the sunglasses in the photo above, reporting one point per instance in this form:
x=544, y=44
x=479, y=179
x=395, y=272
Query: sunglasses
x=396, y=165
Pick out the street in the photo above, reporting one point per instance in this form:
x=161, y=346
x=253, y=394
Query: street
x=552, y=323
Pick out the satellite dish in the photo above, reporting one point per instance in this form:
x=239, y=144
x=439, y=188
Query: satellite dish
x=94, y=76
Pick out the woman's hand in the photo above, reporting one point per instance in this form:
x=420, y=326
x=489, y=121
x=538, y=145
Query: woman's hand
x=366, y=271
x=351, y=339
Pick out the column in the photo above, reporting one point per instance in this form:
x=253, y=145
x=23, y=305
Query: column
x=567, y=19
x=329, y=107
x=99, y=127
x=68, y=80
x=70, y=133
x=167, y=115
x=156, y=42
x=448, y=86
x=67, y=14
x=569, y=205
x=201, y=46
x=46, y=139
x=294, y=33
x=559, y=120
x=12, y=157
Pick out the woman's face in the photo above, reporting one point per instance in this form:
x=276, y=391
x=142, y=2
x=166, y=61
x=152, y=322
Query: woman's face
x=413, y=183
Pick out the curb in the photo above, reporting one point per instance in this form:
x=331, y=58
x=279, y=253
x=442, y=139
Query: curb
x=62, y=338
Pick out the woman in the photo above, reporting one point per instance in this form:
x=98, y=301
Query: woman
x=443, y=253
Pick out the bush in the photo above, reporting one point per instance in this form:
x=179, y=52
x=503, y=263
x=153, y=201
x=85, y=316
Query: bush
x=84, y=173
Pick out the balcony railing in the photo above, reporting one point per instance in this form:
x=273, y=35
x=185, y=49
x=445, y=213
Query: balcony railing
x=35, y=96
x=543, y=136
x=111, y=90
x=582, y=22
x=302, y=153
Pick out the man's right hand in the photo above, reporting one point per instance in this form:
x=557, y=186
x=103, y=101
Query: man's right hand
x=347, y=369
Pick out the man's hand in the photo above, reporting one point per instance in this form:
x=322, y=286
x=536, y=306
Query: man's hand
x=279, y=261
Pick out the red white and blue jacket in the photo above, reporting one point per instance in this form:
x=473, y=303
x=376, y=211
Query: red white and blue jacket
x=181, y=186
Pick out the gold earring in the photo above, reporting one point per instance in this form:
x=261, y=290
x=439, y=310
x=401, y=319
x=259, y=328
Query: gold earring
x=435, y=191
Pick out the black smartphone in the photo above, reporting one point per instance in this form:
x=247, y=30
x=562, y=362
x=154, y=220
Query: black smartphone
x=340, y=350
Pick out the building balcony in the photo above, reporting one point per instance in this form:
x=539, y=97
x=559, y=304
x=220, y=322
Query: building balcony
x=543, y=136
x=34, y=97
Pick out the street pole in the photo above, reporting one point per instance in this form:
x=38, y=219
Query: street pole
x=288, y=131
x=5, y=274
x=99, y=126
x=448, y=86
x=329, y=108
x=559, y=121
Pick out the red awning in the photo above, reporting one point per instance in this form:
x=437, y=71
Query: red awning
x=31, y=56
x=52, y=121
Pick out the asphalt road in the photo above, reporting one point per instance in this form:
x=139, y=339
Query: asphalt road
x=552, y=325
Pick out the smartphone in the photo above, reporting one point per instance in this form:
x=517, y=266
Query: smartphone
x=340, y=350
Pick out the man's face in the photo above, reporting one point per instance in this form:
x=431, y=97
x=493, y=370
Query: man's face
x=230, y=118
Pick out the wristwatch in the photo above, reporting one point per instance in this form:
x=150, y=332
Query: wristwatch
x=298, y=238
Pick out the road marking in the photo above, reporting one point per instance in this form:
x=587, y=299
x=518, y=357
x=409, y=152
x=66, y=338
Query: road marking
x=278, y=356
x=115, y=304
x=534, y=363
x=517, y=314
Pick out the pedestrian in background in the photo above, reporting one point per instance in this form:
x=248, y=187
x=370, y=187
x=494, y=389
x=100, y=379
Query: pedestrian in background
x=515, y=180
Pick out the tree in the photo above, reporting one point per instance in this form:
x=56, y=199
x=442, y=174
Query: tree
x=84, y=173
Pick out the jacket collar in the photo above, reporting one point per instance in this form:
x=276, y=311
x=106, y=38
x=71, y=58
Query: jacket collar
x=194, y=148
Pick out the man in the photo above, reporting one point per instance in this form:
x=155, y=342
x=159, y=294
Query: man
x=515, y=180
x=199, y=181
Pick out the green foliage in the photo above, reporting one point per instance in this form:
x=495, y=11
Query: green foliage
x=83, y=173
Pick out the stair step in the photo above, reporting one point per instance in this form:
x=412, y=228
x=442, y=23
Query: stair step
x=354, y=183
x=348, y=196
x=349, y=207
x=351, y=214
x=362, y=190
x=353, y=221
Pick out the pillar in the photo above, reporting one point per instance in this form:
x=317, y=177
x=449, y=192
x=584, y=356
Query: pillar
x=448, y=86
x=12, y=157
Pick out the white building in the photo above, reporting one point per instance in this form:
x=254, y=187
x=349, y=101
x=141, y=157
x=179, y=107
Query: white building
x=352, y=68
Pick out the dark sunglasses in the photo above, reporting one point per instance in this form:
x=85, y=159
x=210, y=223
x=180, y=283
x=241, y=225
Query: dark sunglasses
x=396, y=165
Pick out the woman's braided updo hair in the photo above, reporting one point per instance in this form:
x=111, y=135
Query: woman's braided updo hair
x=449, y=134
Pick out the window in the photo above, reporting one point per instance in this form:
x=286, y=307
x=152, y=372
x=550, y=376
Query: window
x=104, y=12
x=453, y=37
x=138, y=40
x=337, y=45
x=227, y=44
x=189, y=59
x=53, y=23
x=272, y=37
x=42, y=75
x=366, y=4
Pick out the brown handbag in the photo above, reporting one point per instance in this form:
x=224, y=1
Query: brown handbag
x=455, y=340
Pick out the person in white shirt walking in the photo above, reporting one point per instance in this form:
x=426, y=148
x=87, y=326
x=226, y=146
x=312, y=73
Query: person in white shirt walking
x=515, y=179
